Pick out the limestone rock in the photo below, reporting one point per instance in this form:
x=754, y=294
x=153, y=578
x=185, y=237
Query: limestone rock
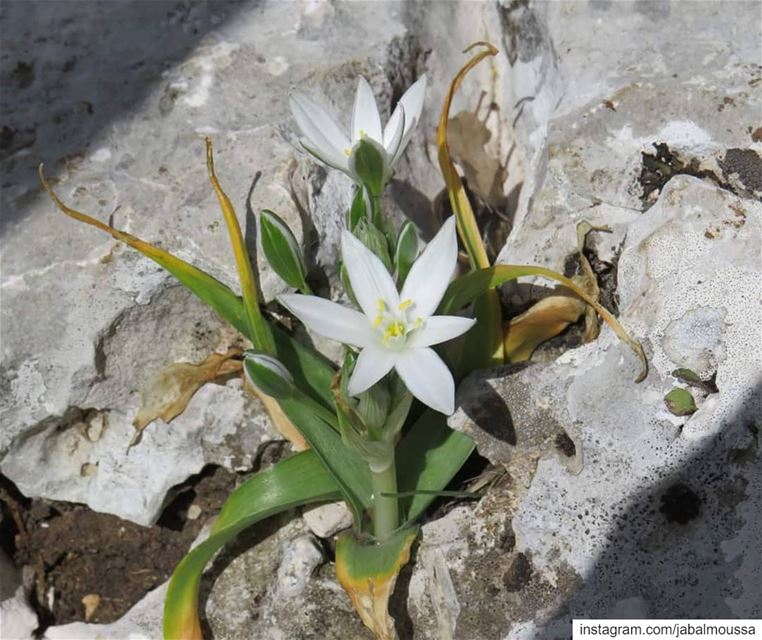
x=86, y=321
x=326, y=520
x=276, y=582
x=18, y=620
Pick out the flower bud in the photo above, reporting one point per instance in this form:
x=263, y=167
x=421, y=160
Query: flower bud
x=267, y=375
x=282, y=250
x=406, y=251
x=359, y=209
x=367, y=233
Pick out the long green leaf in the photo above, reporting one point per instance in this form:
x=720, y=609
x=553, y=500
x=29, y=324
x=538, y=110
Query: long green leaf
x=349, y=470
x=469, y=287
x=428, y=457
x=298, y=480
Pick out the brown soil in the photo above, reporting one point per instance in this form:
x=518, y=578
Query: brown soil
x=80, y=556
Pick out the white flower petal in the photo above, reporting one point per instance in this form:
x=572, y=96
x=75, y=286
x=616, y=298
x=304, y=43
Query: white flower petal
x=329, y=319
x=370, y=280
x=365, y=118
x=395, y=127
x=394, y=143
x=337, y=161
x=412, y=101
x=323, y=134
x=372, y=364
x=406, y=137
x=431, y=272
x=427, y=378
x=439, y=329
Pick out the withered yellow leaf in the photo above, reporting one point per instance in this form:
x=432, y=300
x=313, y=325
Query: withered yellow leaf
x=168, y=393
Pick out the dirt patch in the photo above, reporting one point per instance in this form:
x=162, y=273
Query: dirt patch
x=659, y=167
x=94, y=566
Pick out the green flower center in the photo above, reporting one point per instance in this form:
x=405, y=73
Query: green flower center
x=395, y=324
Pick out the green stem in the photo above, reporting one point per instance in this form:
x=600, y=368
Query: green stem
x=385, y=507
x=375, y=206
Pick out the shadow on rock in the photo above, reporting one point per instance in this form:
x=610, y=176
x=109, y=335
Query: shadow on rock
x=70, y=68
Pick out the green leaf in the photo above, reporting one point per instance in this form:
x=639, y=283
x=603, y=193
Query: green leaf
x=689, y=376
x=282, y=250
x=295, y=481
x=680, y=402
x=320, y=429
x=467, y=226
x=464, y=290
x=428, y=457
x=405, y=252
x=312, y=372
x=210, y=290
x=484, y=347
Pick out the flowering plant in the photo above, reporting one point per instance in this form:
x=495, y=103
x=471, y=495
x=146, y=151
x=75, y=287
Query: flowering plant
x=369, y=444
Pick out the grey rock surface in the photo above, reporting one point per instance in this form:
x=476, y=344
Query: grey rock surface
x=611, y=505
x=655, y=515
x=87, y=322
x=18, y=620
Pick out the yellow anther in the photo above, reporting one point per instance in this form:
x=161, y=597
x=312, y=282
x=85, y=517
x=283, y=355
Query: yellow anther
x=405, y=304
x=377, y=322
x=380, y=305
x=418, y=323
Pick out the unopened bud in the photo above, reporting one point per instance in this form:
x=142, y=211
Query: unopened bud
x=267, y=375
x=282, y=250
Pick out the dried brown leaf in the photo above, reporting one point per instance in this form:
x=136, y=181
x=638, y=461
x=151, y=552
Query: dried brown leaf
x=543, y=321
x=168, y=393
x=550, y=316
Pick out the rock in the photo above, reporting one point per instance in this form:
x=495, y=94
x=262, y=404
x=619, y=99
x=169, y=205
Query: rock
x=300, y=557
x=275, y=580
x=652, y=515
x=664, y=511
x=610, y=503
x=326, y=520
x=472, y=578
x=120, y=131
x=18, y=621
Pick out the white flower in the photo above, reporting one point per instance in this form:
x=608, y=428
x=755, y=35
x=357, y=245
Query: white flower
x=325, y=140
x=394, y=330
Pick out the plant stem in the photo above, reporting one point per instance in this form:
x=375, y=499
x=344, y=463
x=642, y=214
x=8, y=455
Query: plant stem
x=375, y=205
x=385, y=508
